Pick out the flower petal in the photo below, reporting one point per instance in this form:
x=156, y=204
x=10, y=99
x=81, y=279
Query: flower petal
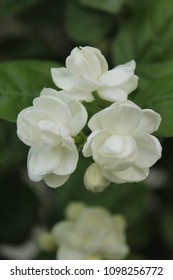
x=148, y=150
x=51, y=134
x=86, y=61
x=112, y=93
x=78, y=117
x=54, y=107
x=65, y=80
x=132, y=174
x=40, y=163
x=27, y=126
x=122, y=117
x=58, y=160
x=130, y=85
x=118, y=75
x=150, y=121
x=66, y=159
x=87, y=152
x=54, y=181
x=114, y=152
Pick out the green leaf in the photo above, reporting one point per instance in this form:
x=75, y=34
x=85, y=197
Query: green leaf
x=12, y=7
x=20, y=83
x=147, y=36
x=110, y=6
x=156, y=92
x=84, y=25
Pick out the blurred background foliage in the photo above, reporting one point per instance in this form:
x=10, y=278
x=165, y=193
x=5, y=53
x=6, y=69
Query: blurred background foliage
x=38, y=34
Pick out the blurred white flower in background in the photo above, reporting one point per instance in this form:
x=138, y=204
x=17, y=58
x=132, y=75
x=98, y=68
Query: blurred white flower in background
x=87, y=71
x=120, y=142
x=49, y=127
x=90, y=233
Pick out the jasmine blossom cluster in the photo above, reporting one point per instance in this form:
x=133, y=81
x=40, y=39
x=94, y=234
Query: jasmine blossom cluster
x=49, y=128
x=90, y=233
x=120, y=143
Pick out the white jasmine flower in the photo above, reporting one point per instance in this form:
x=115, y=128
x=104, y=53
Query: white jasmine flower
x=120, y=142
x=94, y=180
x=87, y=71
x=94, y=234
x=49, y=127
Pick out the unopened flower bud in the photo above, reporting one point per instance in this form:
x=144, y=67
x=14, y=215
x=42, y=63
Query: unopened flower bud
x=94, y=180
x=46, y=242
x=73, y=210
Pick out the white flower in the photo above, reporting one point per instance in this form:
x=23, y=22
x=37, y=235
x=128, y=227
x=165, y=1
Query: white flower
x=120, y=142
x=49, y=127
x=94, y=180
x=94, y=234
x=87, y=71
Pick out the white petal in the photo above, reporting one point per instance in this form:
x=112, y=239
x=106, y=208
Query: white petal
x=54, y=181
x=53, y=106
x=27, y=126
x=112, y=93
x=132, y=174
x=87, y=152
x=50, y=92
x=101, y=58
x=58, y=160
x=78, y=117
x=66, y=159
x=148, y=150
x=150, y=121
x=64, y=79
x=120, y=118
x=51, y=134
x=40, y=163
x=118, y=75
x=87, y=62
x=95, y=121
x=114, y=152
x=130, y=85
x=66, y=253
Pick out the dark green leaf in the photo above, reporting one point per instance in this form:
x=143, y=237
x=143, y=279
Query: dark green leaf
x=11, y=7
x=20, y=82
x=148, y=35
x=156, y=92
x=110, y=6
x=84, y=25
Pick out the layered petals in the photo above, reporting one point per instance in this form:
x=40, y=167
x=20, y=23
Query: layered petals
x=54, y=165
x=121, y=144
x=87, y=62
x=87, y=71
x=49, y=127
x=129, y=175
